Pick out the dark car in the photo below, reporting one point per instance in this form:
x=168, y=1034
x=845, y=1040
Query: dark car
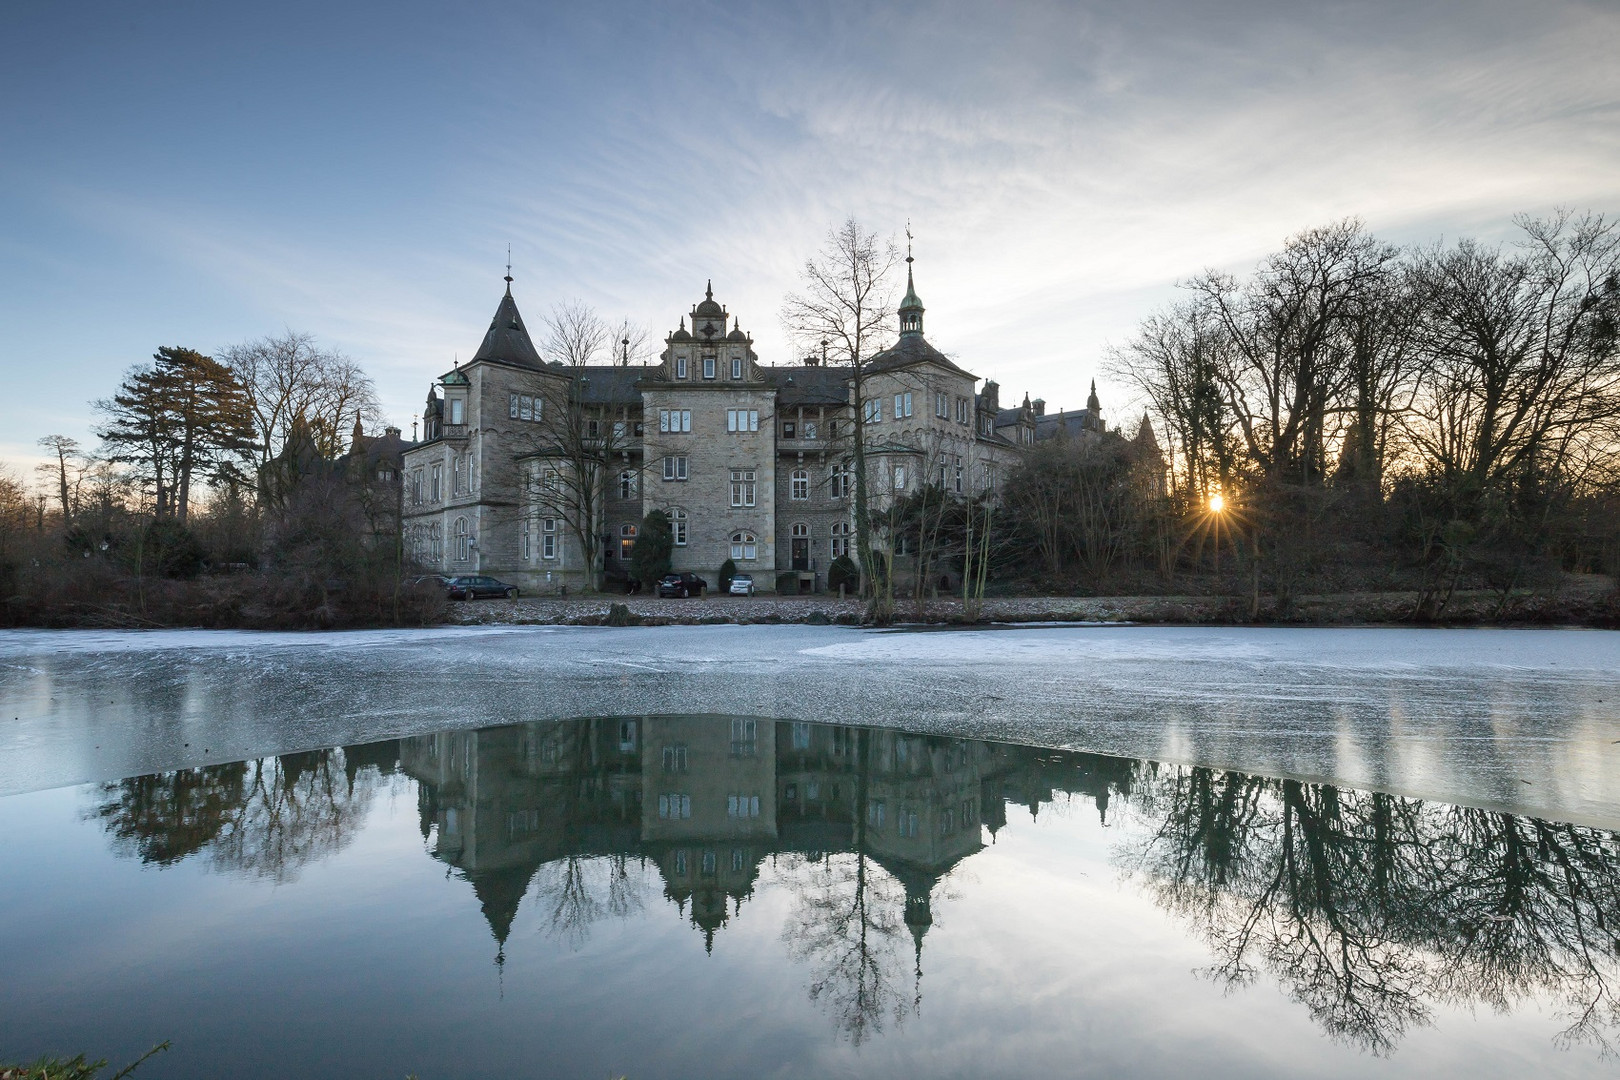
x=474, y=586
x=683, y=584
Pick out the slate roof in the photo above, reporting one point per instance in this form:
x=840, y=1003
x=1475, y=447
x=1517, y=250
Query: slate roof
x=507, y=341
x=805, y=385
x=910, y=350
x=609, y=384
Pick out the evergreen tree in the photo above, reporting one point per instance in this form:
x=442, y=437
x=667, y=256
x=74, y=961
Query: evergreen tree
x=649, y=559
x=185, y=417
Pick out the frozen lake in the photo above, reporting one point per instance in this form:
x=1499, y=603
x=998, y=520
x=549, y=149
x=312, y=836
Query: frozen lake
x=786, y=850
x=1519, y=720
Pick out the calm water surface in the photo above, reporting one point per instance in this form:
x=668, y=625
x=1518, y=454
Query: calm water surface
x=736, y=896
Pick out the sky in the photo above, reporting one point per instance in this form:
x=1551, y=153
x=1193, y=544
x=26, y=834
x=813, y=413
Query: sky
x=204, y=174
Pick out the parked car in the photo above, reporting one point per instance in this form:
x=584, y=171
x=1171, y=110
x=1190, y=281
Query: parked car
x=474, y=586
x=683, y=584
x=742, y=585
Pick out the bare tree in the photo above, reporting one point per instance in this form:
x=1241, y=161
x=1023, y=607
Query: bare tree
x=68, y=461
x=847, y=301
x=291, y=378
x=580, y=440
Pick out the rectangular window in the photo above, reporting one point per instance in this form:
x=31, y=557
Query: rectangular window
x=675, y=468
x=902, y=405
x=838, y=482
x=742, y=806
x=548, y=538
x=677, y=527
x=512, y=406
x=672, y=807
x=737, y=860
x=523, y=407
x=788, y=429
x=907, y=821
x=680, y=367
x=875, y=813
x=899, y=478
x=744, y=733
x=416, y=487
x=627, y=736
x=872, y=411
x=742, y=487
x=436, y=483
x=800, y=486
x=742, y=419
x=942, y=404
x=456, y=415
x=801, y=735
x=708, y=367
x=809, y=429
x=526, y=555
x=675, y=757
x=674, y=421
x=961, y=410
x=736, y=367
x=959, y=474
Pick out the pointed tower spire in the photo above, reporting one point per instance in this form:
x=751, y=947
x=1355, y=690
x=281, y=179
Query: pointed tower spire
x=508, y=269
x=1091, y=400
x=708, y=290
x=911, y=308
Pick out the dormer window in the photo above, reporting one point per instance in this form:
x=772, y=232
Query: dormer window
x=708, y=367
x=456, y=405
x=736, y=367
x=680, y=367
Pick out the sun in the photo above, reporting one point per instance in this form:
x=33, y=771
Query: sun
x=1217, y=503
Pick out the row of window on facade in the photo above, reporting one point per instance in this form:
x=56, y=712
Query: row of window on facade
x=427, y=485
x=427, y=541
x=681, y=864
x=710, y=366
x=872, y=408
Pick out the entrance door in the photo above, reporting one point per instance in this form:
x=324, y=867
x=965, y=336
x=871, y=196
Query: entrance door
x=801, y=553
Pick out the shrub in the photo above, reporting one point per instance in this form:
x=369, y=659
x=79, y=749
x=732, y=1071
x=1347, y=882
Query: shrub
x=728, y=570
x=843, y=571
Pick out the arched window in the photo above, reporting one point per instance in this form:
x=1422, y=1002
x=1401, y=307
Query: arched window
x=463, y=540
x=743, y=546
x=627, y=541
x=799, y=488
x=677, y=526
x=800, y=529
x=840, y=538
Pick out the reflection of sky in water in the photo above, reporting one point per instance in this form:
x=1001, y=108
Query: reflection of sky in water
x=605, y=896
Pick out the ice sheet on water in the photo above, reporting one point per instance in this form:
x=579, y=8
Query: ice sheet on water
x=1521, y=719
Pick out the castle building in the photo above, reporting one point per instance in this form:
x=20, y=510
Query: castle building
x=541, y=472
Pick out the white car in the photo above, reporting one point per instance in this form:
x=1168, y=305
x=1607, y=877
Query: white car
x=742, y=585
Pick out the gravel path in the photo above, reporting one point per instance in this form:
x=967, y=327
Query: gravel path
x=1575, y=607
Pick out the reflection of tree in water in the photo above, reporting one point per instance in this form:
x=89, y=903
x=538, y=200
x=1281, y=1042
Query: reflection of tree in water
x=576, y=892
x=1369, y=907
x=269, y=817
x=846, y=921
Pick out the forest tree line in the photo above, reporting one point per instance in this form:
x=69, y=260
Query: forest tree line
x=1350, y=415
x=222, y=490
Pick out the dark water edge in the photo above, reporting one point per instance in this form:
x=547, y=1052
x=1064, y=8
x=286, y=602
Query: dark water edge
x=719, y=896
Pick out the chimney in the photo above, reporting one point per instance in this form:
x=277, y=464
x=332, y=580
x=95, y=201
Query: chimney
x=1039, y=405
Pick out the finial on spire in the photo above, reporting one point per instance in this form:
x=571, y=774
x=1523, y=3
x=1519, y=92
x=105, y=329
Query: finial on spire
x=508, y=269
x=708, y=290
x=908, y=240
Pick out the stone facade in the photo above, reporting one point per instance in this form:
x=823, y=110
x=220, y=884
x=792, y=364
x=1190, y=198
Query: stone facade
x=752, y=462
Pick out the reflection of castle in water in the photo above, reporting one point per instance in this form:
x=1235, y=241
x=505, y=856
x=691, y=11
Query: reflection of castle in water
x=708, y=799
